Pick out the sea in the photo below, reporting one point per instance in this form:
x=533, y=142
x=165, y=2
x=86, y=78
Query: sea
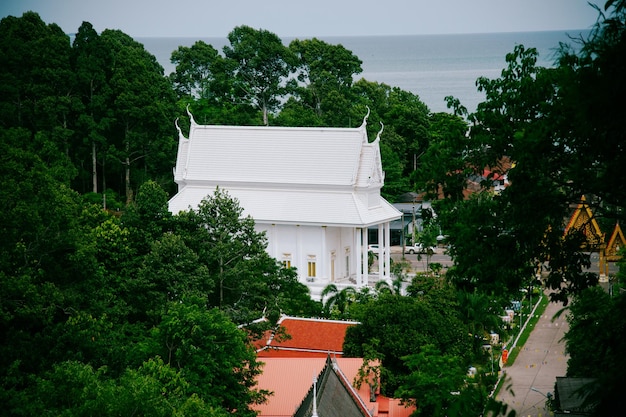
x=430, y=66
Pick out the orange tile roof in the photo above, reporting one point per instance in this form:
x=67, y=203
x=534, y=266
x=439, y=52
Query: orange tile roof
x=290, y=379
x=309, y=337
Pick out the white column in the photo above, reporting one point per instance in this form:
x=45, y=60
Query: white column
x=324, y=261
x=381, y=253
x=299, y=258
x=388, y=251
x=273, y=238
x=358, y=250
x=365, y=257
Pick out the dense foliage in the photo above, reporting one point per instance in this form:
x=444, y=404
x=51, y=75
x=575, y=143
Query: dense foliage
x=556, y=133
x=134, y=310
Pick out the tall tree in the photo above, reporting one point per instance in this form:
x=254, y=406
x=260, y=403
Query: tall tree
x=262, y=65
x=228, y=244
x=195, y=67
x=91, y=61
x=513, y=133
x=36, y=79
x=248, y=283
x=40, y=233
x=142, y=133
x=322, y=68
x=439, y=168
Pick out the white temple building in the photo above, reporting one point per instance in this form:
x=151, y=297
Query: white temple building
x=314, y=191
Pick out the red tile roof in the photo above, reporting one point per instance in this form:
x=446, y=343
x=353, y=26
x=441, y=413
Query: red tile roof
x=309, y=337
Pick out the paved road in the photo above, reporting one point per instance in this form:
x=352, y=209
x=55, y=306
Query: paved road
x=534, y=371
x=542, y=358
x=420, y=262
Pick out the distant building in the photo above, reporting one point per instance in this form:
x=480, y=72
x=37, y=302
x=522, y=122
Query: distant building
x=314, y=192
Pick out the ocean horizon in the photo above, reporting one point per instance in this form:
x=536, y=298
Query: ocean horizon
x=430, y=66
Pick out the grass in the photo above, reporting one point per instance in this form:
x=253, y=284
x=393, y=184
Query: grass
x=530, y=325
x=523, y=337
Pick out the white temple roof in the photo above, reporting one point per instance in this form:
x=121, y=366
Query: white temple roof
x=322, y=176
x=271, y=155
x=295, y=207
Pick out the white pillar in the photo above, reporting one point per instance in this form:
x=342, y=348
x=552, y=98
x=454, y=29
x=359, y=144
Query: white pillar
x=273, y=238
x=358, y=250
x=365, y=257
x=324, y=261
x=299, y=257
x=381, y=253
x=388, y=251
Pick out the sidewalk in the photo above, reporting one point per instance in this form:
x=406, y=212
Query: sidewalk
x=533, y=373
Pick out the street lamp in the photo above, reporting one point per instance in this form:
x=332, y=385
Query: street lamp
x=548, y=395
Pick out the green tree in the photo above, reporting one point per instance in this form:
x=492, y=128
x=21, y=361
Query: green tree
x=212, y=354
x=170, y=272
x=195, y=68
x=36, y=79
x=402, y=325
x=441, y=169
x=39, y=227
x=434, y=382
x=148, y=217
x=513, y=134
x=337, y=302
x=261, y=67
x=322, y=68
x=91, y=61
x=228, y=244
x=142, y=133
x=204, y=80
x=596, y=321
x=247, y=282
x=590, y=88
x=74, y=388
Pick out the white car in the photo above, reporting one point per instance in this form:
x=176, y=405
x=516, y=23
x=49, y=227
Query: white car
x=372, y=248
x=419, y=248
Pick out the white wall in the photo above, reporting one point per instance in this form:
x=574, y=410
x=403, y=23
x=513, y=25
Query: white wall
x=301, y=244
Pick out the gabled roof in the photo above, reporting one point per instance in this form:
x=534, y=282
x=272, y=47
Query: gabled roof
x=285, y=175
x=583, y=220
x=291, y=380
x=616, y=242
x=332, y=396
x=309, y=338
x=306, y=156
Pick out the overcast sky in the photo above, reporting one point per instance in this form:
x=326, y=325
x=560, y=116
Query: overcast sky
x=293, y=18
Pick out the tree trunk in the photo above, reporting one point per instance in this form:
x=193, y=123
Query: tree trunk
x=104, y=184
x=129, y=193
x=94, y=169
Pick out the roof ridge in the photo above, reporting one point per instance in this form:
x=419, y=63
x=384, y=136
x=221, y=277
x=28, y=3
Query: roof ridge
x=317, y=319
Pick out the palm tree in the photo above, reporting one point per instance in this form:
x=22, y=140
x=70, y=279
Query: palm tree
x=338, y=302
x=395, y=287
x=479, y=317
